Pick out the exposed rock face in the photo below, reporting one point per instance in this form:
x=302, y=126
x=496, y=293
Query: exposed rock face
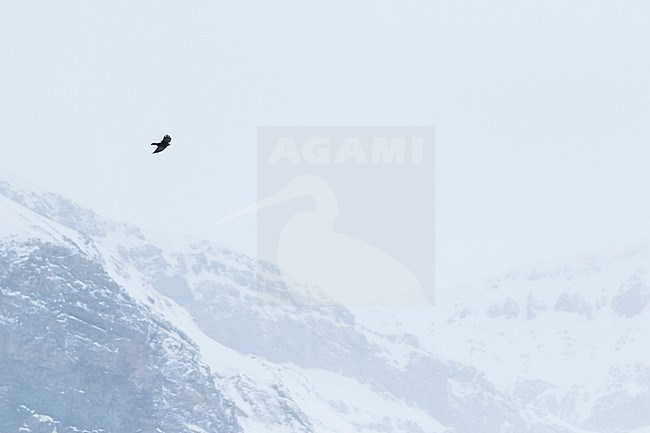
x=633, y=298
x=78, y=354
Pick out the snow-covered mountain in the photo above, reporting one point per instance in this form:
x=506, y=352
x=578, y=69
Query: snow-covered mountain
x=106, y=327
x=570, y=339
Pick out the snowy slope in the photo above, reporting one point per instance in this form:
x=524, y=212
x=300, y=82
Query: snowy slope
x=258, y=387
x=227, y=297
x=285, y=367
x=568, y=338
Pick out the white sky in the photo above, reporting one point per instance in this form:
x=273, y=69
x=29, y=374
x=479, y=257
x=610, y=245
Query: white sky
x=541, y=109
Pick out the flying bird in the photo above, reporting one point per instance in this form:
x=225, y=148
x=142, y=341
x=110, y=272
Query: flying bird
x=166, y=141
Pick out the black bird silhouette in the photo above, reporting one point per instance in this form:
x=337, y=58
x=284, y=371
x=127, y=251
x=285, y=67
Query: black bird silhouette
x=163, y=144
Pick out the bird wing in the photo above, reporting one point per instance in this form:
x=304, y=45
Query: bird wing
x=166, y=139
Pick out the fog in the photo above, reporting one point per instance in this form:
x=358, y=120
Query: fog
x=540, y=111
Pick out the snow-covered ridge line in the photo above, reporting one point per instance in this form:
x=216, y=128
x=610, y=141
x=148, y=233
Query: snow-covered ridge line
x=246, y=379
x=289, y=368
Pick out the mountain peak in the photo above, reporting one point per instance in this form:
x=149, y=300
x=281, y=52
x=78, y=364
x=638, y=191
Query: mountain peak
x=53, y=206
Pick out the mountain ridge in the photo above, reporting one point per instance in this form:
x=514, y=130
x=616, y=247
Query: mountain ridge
x=274, y=363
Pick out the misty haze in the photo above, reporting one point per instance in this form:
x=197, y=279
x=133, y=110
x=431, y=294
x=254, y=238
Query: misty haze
x=324, y=217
